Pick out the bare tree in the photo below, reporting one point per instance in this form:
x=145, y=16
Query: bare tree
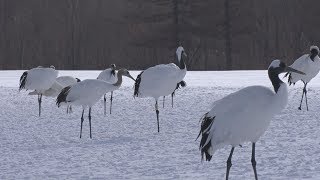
x=217, y=35
x=228, y=44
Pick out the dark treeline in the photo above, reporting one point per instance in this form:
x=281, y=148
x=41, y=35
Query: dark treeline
x=217, y=34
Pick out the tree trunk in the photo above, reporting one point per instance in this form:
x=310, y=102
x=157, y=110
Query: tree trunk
x=227, y=35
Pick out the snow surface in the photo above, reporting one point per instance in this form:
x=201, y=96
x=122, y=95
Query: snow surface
x=126, y=144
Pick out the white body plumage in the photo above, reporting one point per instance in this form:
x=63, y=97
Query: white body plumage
x=106, y=75
x=88, y=92
x=40, y=79
x=60, y=83
x=160, y=80
x=306, y=65
x=245, y=115
x=65, y=81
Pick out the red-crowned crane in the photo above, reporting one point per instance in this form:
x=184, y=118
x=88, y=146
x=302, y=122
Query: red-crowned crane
x=87, y=92
x=60, y=83
x=309, y=64
x=244, y=116
x=39, y=79
x=108, y=75
x=161, y=80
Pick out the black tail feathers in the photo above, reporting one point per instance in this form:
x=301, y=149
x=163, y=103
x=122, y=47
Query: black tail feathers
x=289, y=78
x=62, y=97
x=205, y=143
x=23, y=80
x=137, y=85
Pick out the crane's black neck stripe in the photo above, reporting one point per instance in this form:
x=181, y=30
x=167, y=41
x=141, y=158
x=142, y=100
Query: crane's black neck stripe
x=182, y=64
x=312, y=56
x=113, y=72
x=274, y=78
x=137, y=85
x=23, y=80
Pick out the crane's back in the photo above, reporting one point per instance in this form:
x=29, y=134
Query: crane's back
x=88, y=92
x=160, y=80
x=246, y=114
x=306, y=65
x=40, y=79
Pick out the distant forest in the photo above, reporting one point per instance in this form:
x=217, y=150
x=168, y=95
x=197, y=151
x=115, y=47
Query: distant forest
x=136, y=34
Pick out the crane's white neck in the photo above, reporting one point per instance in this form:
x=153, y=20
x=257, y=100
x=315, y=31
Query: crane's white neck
x=281, y=97
x=281, y=91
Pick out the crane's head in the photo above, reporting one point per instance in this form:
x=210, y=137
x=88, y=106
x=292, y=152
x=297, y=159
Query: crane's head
x=277, y=67
x=314, y=51
x=180, y=51
x=125, y=72
x=113, y=66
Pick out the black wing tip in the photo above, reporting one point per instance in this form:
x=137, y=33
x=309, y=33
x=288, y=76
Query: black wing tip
x=23, y=80
x=62, y=97
x=78, y=80
x=289, y=78
x=286, y=74
x=204, y=146
x=137, y=85
x=113, y=72
x=207, y=155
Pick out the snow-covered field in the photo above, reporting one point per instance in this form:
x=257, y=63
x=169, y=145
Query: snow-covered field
x=126, y=144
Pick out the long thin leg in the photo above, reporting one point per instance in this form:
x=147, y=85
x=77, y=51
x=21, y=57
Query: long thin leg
x=69, y=109
x=81, y=122
x=90, y=122
x=229, y=164
x=157, y=111
x=163, y=101
x=301, y=100
x=305, y=94
x=104, y=104
x=111, y=101
x=39, y=101
x=253, y=161
x=172, y=94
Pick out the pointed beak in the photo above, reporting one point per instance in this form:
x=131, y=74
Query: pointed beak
x=290, y=69
x=129, y=76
